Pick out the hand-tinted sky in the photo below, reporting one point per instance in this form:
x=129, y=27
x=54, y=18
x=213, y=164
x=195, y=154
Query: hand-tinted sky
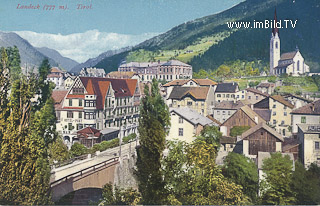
x=118, y=16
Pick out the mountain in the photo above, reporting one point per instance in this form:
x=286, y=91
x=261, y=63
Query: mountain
x=64, y=62
x=94, y=61
x=208, y=42
x=30, y=56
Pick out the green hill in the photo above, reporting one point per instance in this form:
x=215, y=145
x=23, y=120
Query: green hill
x=208, y=42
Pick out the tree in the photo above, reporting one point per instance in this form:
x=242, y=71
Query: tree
x=58, y=151
x=25, y=132
x=306, y=185
x=275, y=189
x=154, y=122
x=211, y=135
x=14, y=63
x=120, y=196
x=78, y=149
x=242, y=171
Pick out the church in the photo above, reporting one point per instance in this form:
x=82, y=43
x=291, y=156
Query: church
x=291, y=63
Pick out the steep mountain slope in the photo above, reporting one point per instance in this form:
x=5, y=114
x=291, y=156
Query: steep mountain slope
x=64, y=62
x=243, y=44
x=30, y=57
x=94, y=61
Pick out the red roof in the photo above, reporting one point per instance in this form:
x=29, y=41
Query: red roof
x=58, y=97
x=72, y=107
x=89, y=132
x=76, y=96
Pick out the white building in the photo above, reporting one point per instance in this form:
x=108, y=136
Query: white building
x=92, y=72
x=291, y=63
x=56, y=76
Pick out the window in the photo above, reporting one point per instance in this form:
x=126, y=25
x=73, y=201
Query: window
x=274, y=121
x=180, y=131
x=218, y=95
x=202, y=104
x=237, y=96
x=218, y=112
x=189, y=103
x=249, y=97
x=79, y=126
x=274, y=106
x=228, y=95
x=285, y=107
x=90, y=103
x=180, y=120
x=70, y=127
x=80, y=115
x=89, y=115
x=317, y=145
x=70, y=102
x=69, y=114
x=229, y=112
x=257, y=97
x=80, y=102
x=77, y=91
x=223, y=112
x=282, y=122
x=303, y=119
x=242, y=96
x=274, y=113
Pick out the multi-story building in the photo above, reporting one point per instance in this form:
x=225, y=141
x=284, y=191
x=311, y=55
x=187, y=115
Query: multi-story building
x=168, y=71
x=100, y=103
x=280, y=113
x=200, y=99
x=186, y=124
x=225, y=109
x=56, y=76
x=309, y=138
x=253, y=95
x=226, y=92
x=266, y=87
x=92, y=72
x=308, y=114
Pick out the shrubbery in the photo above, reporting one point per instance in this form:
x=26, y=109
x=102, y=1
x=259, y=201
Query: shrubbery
x=238, y=130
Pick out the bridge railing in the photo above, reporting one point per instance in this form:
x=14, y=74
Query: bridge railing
x=83, y=171
x=72, y=160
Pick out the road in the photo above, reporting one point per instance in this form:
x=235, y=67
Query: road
x=66, y=170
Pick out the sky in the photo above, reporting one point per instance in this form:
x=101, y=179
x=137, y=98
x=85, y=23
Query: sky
x=107, y=24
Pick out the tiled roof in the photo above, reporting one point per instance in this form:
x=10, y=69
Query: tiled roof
x=311, y=108
x=175, y=63
x=121, y=75
x=180, y=82
x=80, y=96
x=56, y=70
x=298, y=97
x=196, y=92
x=54, y=75
x=205, y=82
x=289, y=143
x=99, y=86
x=58, y=96
x=310, y=128
x=282, y=101
x=89, y=131
x=229, y=105
x=177, y=82
x=264, y=114
x=288, y=55
x=251, y=114
x=192, y=116
x=227, y=87
x=264, y=126
x=257, y=92
x=283, y=65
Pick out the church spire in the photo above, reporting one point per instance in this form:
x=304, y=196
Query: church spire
x=275, y=29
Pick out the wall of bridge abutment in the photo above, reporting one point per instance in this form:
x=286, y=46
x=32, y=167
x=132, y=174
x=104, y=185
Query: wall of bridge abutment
x=91, y=178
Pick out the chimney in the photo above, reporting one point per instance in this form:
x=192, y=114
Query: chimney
x=256, y=119
x=251, y=105
x=313, y=107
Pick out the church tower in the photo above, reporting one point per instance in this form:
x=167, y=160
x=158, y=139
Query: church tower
x=274, y=45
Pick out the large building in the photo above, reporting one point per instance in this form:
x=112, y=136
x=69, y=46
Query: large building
x=56, y=76
x=168, y=71
x=291, y=63
x=226, y=92
x=100, y=103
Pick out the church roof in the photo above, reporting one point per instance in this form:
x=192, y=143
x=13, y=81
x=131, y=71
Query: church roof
x=288, y=55
x=283, y=65
x=276, y=29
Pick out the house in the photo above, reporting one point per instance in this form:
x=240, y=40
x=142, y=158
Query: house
x=58, y=97
x=261, y=138
x=168, y=87
x=291, y=145
x=266, y=87
x=186, y=124
x=200, y=99
x=123, y=75
x=309, y=138
x=89, y=136
x=244, y=116
x=280, y=113
x=56, y=76
x=100, y=103
x=308, y=114
x=167, y=71
x=254, y=95
x=226, y=92
x=223, y=110
x=297, y=100
x=227, y=143
x=92, y=72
